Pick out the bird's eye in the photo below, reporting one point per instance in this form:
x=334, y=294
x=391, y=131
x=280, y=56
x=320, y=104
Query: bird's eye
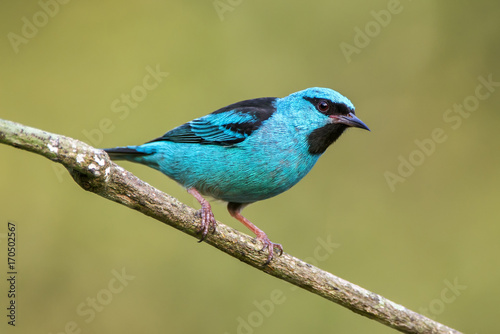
x=323, y=106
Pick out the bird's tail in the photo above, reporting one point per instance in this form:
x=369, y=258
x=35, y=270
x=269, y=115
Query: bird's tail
x=130, y=153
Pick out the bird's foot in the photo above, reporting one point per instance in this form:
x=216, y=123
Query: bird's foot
x=270, y=247
x=207, y=222
x=234, y=210
x=207, y=216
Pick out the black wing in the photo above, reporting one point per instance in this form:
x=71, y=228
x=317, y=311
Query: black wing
x=226, y=126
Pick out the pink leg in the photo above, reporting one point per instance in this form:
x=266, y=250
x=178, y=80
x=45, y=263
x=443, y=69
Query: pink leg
x=207, y=216
x=234, y=210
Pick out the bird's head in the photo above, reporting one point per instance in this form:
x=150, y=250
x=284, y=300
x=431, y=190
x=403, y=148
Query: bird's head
x=323, y=113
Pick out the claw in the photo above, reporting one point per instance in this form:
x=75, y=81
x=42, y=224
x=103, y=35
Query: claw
x=207, y=216
x=207, y=222
x=270, y=248
x=234, y=210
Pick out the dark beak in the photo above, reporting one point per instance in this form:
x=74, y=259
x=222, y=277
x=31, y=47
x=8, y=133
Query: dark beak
x=350, y=120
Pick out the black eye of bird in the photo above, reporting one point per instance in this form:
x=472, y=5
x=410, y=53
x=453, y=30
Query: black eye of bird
x=323, y=106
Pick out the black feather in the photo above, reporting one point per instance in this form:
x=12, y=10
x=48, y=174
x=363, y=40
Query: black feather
x=121, y=153
x=211, y=129
x=334, y=109
x=321, y=138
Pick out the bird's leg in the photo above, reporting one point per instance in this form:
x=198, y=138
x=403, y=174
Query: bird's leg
x=207, y=216
x=234, y=210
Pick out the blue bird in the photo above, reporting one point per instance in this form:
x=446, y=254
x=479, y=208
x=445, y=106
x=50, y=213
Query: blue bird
x=248, y=151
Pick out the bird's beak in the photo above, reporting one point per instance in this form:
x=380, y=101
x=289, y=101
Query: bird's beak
x=350, y=120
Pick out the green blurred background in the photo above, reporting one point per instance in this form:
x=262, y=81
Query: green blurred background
x=409, y=242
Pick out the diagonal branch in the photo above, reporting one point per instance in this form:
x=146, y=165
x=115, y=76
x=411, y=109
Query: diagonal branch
x=92, y=169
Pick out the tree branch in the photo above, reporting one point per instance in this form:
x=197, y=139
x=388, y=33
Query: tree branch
x=92, y=169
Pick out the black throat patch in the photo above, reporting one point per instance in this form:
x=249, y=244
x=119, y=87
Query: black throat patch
x=321, y=138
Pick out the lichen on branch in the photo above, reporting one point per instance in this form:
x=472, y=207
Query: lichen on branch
x=92, y=169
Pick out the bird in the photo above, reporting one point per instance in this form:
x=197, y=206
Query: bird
x=248, y=151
